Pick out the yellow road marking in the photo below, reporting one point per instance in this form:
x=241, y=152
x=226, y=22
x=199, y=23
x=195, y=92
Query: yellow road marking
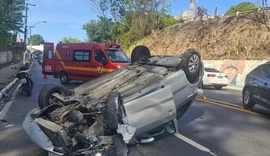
x=229, y=105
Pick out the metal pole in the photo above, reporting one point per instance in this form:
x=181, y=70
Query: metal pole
x=30, y=39
x=25, y=27
x=25, y=31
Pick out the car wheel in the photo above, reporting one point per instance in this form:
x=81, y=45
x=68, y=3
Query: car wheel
x=45, y=98
x=191, y=64
x=114, y=107
x=120, y=146
x=140, y=52
x=64, y=78
x=248, y=103
x=218, y=87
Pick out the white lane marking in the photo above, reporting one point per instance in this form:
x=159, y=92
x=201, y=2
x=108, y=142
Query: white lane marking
x=193, y=143
x=5, y=110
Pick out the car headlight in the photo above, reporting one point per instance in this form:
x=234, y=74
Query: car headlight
x=118, y=66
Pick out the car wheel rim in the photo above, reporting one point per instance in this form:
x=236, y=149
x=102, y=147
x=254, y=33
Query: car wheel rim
x=246, y=97
x=193, y=63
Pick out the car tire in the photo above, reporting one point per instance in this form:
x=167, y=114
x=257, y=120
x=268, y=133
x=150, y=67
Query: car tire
x=46, y=93
x=64, y=78
x=191, y=64
x=218, y=88
x=114, y=103
x=133, y=141
x=119, y=145
x=140, y=52
x=247, y=100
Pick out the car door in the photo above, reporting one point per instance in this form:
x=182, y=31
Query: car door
x=265, y=88
x=100, y=63
x=258, y=84
x=152, y=110
x=48, y=58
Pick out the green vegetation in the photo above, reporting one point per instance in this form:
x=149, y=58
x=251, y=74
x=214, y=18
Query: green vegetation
x=244, y=6
x=70, y=40
x=126, y=22
x=36, y=39
x=11, y=14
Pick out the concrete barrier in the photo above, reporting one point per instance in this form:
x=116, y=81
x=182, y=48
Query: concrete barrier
x=5, y=57
x=236, y=69
x=4, y=91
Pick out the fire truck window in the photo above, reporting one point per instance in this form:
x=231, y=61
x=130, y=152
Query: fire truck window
x=99, y=55
x=48, y=54
x=81, y=56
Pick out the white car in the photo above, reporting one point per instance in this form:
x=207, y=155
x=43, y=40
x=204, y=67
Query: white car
x=215, y=78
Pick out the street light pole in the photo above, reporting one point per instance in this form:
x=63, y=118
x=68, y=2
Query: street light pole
x=30, y=28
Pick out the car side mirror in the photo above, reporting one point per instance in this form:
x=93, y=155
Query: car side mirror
x=104, y=61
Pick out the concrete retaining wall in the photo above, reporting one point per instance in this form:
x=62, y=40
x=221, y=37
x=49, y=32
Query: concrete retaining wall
x=236, y=69
x=6, y=57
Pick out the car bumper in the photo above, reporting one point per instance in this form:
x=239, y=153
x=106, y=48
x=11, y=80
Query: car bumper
x=37, y=135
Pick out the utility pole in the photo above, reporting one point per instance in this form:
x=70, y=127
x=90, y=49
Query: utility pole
x=25, y=21
x=25, y=31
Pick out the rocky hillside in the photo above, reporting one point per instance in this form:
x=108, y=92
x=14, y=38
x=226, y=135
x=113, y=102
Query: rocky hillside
x=235, y=37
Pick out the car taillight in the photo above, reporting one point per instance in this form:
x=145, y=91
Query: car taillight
x=226, y=76
x=211, y=75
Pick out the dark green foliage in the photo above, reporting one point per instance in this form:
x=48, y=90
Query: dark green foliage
x=70, y=40
x=127, y=20
x=244, y=6
x=36, y=39
x=11, y=14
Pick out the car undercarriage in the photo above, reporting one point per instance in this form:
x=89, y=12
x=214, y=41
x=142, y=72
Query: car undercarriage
x=135, y=104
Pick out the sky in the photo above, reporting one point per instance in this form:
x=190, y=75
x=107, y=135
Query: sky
x=65, y=18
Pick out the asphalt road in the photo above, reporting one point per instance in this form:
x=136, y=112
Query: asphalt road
x=225, y=94
x=231, y=96
x=225, y=131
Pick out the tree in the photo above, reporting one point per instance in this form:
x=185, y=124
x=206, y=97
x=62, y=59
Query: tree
x=36, y=39
x=127, y=20
x=11, y=14
x=71, y=40
x=99, y=31
x=263, y=18
x=244, y=6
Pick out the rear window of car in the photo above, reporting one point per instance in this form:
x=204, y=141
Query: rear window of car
x=263, y=71
x=213, y=70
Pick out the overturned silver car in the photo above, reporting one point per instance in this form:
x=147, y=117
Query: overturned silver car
x=136, y=104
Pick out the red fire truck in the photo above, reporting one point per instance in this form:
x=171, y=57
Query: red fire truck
x=81, y=61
